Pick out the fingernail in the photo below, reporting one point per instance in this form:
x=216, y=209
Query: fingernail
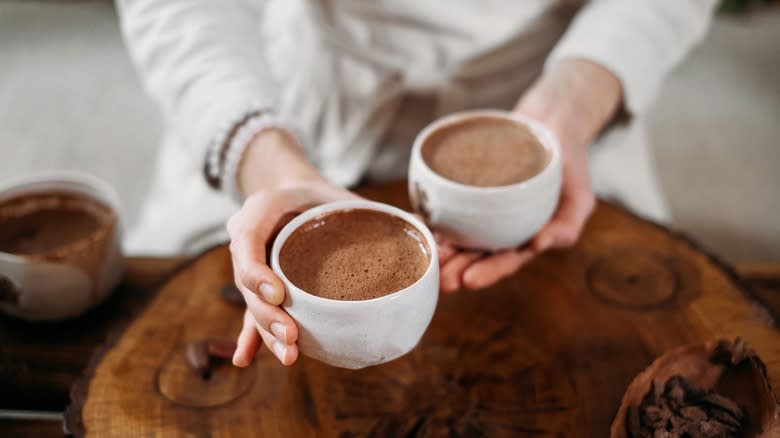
x=267, y=291
x=279, y=330
x=468, y=280
x=237, y=359
x=280, y=350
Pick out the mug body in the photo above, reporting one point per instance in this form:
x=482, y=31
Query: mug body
x=53, y=288
x=486, y=218
x=357, y=334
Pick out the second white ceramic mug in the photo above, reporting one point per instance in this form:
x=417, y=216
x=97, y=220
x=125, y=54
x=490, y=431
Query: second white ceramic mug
x=357, y=334
x=53, y=289
x=486, y=218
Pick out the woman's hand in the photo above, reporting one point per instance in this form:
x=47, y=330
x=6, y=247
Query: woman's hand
x=575, y=99
x=279, y=183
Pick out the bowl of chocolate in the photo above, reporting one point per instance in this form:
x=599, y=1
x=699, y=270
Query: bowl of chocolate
x=59, y=245
x=713, y=390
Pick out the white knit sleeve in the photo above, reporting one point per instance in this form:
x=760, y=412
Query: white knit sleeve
x=640, y=41
x=202, y=61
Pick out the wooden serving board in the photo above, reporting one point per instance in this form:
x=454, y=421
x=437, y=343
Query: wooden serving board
x=547, y=352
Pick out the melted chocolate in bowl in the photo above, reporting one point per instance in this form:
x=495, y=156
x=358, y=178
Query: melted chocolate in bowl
x=354, y=255
x=485, y=152
x=51, y=225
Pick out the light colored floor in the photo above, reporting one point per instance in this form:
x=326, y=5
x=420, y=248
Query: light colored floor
x=69, y=98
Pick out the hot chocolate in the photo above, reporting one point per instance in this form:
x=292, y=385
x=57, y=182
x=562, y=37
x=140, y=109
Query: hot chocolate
x=354, y=255
x=45, y=224
x=485, y=152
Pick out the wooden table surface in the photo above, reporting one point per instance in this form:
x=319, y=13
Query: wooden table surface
x=40, y=362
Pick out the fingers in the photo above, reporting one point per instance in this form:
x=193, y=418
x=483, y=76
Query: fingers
x=446, y=253
x=250, y=230
x=566, y=225
x=489, y=270
x=253, y=274
x=271, y=318
x=446, y=250
x=263, y=319
x=286, y=353
x=575, y=205
x=451, y=273
x=247, y=344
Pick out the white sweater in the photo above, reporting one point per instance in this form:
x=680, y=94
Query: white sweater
x=358, y=79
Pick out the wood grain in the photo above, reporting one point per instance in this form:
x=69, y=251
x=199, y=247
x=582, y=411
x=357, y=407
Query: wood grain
x=40, y=361
x=547, y=352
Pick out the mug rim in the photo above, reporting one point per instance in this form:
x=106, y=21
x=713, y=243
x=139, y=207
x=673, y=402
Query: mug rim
x=348, y=205
x=26, y=184
x=554, y=147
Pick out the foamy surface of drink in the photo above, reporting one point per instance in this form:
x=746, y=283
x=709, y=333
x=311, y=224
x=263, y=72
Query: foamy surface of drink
x=485, y=152
x=38, y=224
x=355, y=254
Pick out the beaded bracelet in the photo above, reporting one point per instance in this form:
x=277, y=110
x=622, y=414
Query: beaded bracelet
x=227, y=148
x=238, y=144
x=215, y=153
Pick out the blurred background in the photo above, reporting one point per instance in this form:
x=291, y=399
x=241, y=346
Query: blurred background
x=70, y=99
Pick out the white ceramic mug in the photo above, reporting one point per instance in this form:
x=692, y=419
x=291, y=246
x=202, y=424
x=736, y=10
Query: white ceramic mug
x=357, y=334
x=487, y=218
x=46, y=288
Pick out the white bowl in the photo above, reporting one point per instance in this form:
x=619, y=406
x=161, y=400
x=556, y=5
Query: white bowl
x=357, y=334
x=53, y=290
x=487, y=218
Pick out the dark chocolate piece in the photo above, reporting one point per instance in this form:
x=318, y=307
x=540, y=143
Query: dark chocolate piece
x=678, y=410
x=198, y=355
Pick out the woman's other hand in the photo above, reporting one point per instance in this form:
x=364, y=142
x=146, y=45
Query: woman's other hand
x=575, y=99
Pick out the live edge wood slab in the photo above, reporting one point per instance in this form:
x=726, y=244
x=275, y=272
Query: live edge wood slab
x=547, y=352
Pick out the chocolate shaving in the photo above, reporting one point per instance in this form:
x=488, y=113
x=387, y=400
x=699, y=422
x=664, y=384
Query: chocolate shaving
x=693, y=413
x=657, y=416
x=678, y=410
x=724, y=404
x=726, y=418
